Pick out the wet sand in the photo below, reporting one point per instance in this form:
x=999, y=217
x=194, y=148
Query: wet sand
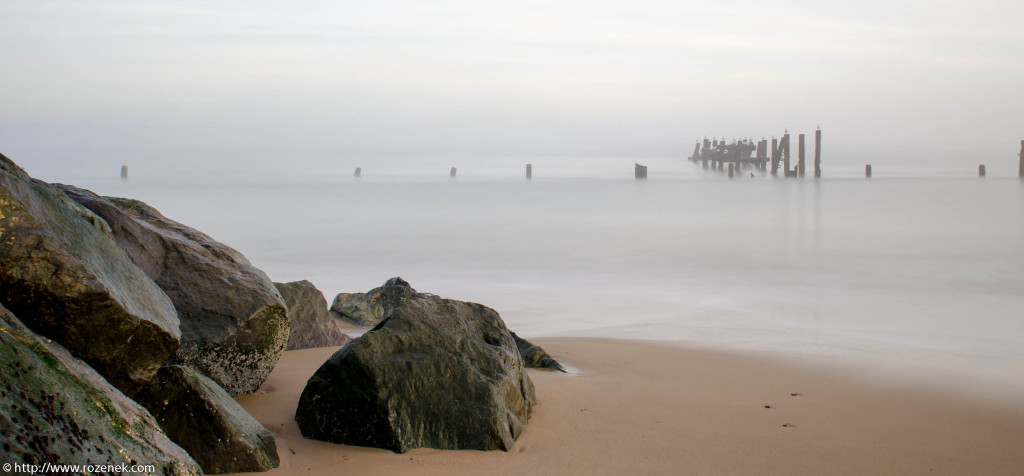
x=653, y=408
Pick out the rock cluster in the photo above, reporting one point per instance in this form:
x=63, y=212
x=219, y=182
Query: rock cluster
x=124, y=336
x=64, y=276
x=107, y=292
x=234, y=324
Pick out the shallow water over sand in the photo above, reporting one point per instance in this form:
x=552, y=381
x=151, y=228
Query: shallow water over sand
x=921, y=272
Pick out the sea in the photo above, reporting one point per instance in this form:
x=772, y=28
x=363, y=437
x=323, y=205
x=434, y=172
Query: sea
x=914, y=274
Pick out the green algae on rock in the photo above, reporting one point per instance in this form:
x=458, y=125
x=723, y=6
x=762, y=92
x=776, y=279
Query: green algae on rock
x=55, y=409
x=202, y=418
x=64, y=276
x=437, y=373
x=234, y=324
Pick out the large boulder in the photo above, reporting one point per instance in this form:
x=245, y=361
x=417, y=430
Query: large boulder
x=367, y=310
x=203, y=419
x=438, y=373
x=62, y=273
x=234, y=325
x=55, y=409
x=309, y=321
x=534, y=356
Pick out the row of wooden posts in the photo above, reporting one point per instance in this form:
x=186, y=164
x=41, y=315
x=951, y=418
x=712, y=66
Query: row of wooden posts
x=780, y=151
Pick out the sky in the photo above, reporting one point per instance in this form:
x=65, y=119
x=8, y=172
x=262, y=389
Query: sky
x=218, y=80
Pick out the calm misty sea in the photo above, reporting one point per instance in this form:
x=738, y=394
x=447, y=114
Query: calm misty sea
x=907, y=271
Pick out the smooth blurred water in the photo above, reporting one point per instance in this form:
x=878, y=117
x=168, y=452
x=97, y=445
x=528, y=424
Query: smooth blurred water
x=921, y=271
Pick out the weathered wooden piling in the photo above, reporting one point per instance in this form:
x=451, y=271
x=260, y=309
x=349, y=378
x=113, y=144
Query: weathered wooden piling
x=785, y=153
x=452, y=173
x=359, y=172
x=696, y=149
x=867, y=171
x=529, y=171
x=981, y=170
x=124, y=171
x=800, y=159
x=721, y=165
x=639, y=171
x=730, y=170
x=817, y=153
x=775, y=156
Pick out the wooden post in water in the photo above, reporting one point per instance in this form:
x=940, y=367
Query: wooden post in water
x=124, y=171
x=730, y=170
x=981, y=170
x=359, y=172
x=721, y=165
x=775, y=156
x=867, y=171
x=696, y=150
x=452, y=174
x=800, y=159
x=639, y=171
x=817, y=153
x=763, y=165
x=785, y=154
x=529, y=171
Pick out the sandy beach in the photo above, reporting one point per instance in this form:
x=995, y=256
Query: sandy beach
x=653, y=408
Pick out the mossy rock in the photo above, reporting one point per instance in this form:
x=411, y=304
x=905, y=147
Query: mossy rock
x=234, y=324
x=309, y=321
x=202, y=418
x=437, y=373
x=64, y=276
x=56, y=409
x=369, y=309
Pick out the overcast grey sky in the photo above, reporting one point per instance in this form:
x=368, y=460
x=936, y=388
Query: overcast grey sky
x=448, y=76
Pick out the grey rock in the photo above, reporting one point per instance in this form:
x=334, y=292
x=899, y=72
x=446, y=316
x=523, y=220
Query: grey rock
x=534, y=356
x=63, y=275
x=203, y=419
x=310, y=322
x=234, y=325
x=437, y=373
x=56, y=409
x=369, y=309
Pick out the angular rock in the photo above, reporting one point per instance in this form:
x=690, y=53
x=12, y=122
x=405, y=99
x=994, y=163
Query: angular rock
x=63, y=275
x=438, y=373
x=234, y=324
x=309, y=321
x=55, y=409
x=534, y=356
x=367, y=310
x=203, y=419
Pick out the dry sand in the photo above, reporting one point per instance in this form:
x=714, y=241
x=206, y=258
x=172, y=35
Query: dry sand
x=649, y=408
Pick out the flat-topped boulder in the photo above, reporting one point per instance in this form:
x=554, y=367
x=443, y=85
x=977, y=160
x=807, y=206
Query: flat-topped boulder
x=437, y=373
x=366, y=310
x=64, y=276
x=310, y=322
x=203, y=419
x=56, y=409
x=234, y=325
